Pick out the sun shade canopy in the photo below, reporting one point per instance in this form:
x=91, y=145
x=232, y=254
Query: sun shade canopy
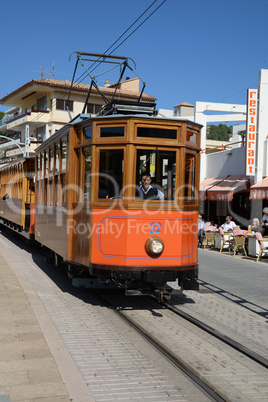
x=225, y=189
x=207, y=184
x=259, y=191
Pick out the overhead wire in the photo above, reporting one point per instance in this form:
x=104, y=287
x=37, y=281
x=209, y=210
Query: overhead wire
x=146, y=19
x=123, y=35
x=238, y=92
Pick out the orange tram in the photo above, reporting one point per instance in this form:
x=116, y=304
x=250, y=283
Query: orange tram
x=80, y=197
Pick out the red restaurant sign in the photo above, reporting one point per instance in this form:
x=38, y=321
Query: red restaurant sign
x=251, y=131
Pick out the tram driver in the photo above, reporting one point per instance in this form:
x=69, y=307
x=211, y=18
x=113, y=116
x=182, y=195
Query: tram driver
x=147, y=191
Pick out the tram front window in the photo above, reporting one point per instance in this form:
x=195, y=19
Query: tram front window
x=189, y=189
x=161, y=166
x=111, y=173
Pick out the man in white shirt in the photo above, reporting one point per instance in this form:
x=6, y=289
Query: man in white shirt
x=229, y=224
x=201, y=225
x=150, y=192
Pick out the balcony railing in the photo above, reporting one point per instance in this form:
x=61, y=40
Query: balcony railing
x=19, y=116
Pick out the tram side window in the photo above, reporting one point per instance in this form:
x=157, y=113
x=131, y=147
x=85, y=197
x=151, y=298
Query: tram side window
x=87, y=178
x=57, y=169
x=111, y=173
x=50, y=176
x=152, y=132
x=64, y=164
x=46, y=175
x=189, y=189
x=191, y=137
x=161, y=165
x=88, y=133
x=20, y=176
x=39, y=180
x=112, y=132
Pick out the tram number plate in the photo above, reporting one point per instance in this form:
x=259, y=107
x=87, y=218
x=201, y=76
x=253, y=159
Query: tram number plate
x=155, y=227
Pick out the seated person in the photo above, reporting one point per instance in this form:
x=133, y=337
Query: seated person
x=103, y=190
x=201, y=225
x=255, y=227
x=229, y=224
x=148, y=192
x=264, y=222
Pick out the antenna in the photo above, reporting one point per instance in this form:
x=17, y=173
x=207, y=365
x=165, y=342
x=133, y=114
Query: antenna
x=52, y=72
x=53, y=65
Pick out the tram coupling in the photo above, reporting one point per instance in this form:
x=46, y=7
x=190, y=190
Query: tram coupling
x=162, y=295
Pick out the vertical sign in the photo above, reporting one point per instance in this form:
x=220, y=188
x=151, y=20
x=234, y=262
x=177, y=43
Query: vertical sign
x=251, y=132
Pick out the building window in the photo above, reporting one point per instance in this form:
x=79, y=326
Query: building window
x=93, y=109
x=61, y=104
x=41, y=133
x=42, y=103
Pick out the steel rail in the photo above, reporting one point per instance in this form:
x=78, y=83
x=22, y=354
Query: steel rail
x=163, y=350
x=224, y=338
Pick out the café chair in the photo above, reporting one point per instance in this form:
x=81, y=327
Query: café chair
x=209, y=236
x=263, y=248
x=239, y=240
x=226, y=240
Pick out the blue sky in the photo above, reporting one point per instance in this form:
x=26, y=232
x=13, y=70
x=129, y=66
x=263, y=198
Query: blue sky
x=187, y=51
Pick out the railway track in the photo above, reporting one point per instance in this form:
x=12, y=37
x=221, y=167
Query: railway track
x=223, y=372
x=217, y=386
x=164, y=351
x=214, y=332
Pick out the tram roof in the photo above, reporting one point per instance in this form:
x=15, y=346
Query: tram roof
x=81, y=117
x=15, y=162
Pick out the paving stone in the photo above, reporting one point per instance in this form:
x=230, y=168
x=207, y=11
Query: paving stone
x=112, y=366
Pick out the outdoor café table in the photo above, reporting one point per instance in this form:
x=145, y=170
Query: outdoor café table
x=253, y=244
x=218, y=240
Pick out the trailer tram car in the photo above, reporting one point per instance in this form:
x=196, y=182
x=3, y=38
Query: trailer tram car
x=17, y=196
x=88, y=208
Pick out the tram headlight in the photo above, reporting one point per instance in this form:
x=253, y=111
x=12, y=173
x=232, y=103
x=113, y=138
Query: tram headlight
x=154, y=246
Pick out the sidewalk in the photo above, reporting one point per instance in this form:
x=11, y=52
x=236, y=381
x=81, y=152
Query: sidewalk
x=34, y=362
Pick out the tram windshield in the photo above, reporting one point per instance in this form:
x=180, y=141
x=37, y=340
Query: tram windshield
x=161, y=166
x=111, y=173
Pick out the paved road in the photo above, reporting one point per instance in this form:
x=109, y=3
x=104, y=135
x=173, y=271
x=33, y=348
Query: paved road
x=239, y=279
x=69, y=346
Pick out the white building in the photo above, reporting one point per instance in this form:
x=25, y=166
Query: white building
x=224, y=187
x=40, y=107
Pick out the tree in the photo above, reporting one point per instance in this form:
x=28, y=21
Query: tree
x=220, y=132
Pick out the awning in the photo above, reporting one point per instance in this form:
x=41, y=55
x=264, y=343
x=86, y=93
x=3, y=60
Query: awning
x=207, y=184
x=224, y=191
x=259, y=191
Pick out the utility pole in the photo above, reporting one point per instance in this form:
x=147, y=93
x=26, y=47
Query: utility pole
x=27, y=141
